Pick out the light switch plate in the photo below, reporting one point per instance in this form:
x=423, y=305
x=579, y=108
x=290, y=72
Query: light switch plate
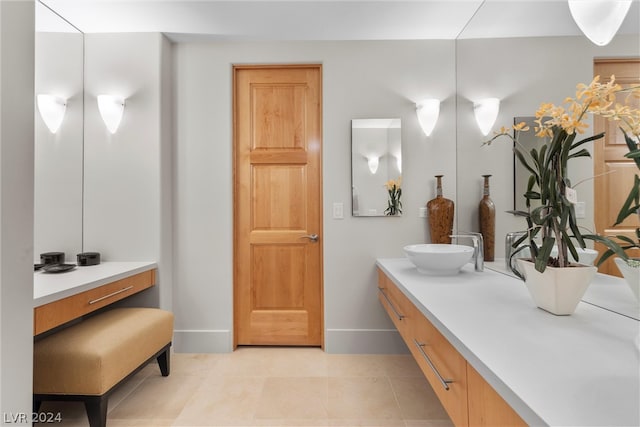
x=581, y=211
x=338, y=210
x=422, y=212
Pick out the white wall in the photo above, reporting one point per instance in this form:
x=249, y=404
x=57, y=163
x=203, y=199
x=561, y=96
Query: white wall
x=135, y=176
x=523, y=73
x=16, y=208
x=127, y=192
x=360, y=80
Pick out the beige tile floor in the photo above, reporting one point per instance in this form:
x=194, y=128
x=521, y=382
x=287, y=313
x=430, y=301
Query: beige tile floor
x=257, y=386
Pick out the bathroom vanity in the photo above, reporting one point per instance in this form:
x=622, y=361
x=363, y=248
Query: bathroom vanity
x=59, y=298
x=494, y=358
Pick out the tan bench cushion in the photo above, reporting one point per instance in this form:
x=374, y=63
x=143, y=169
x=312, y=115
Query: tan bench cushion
x=92, y=356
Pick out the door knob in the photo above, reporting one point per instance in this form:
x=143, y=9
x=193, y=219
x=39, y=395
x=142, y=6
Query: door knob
x=312, y=237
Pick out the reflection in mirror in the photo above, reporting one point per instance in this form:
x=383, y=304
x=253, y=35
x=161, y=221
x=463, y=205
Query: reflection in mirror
x=376, y=158
x=542, y=73
x=528, y=140
x=58, y=156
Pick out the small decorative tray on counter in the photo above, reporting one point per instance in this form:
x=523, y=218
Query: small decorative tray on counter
x=58, y=268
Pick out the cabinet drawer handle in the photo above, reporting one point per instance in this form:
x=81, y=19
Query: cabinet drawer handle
x=398, y=315
x=93, y=301
x=445, y=383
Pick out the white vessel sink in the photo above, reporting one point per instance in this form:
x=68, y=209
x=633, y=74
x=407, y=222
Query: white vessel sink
x=438, y=259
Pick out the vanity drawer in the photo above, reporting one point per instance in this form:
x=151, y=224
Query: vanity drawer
x=400, y=310
x=486, y=406
x=444, y=367
x=48, y=316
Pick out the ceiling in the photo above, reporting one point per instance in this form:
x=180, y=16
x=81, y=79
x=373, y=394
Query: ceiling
x=185, y=20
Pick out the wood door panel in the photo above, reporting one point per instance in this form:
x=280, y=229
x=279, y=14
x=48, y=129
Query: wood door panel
x=278, y=276
x=278, y=195
x=277, y=205
x=280, y=111
x=272, y=327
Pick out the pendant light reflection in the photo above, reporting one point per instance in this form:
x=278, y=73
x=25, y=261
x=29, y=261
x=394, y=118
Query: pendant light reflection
x=486, y=112
x=599, y=20
x=52, y=109
x=428, y=111
x=111, y=109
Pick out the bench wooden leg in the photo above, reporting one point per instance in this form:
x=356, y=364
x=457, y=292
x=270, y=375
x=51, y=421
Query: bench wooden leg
x=96, y=407
x=36, y=405
x=164, y=362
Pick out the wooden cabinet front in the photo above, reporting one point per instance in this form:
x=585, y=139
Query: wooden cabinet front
x=443, y=366
x=486, y=407
x=56, y=313
x=466, y=396
x=401, y=311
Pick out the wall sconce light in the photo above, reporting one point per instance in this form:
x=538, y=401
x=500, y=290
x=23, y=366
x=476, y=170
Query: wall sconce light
x=599, y=20
x=428, y=111
x=374, y=162
x=111, y=109
x=52, y=109
x=486, y=112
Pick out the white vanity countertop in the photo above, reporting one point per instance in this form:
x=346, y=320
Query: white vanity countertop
x=578, y=370
x=48, y=287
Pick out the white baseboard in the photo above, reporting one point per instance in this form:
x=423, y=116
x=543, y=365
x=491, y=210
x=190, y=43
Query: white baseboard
x=364, y=341
x=337, y=341
x=202, y=341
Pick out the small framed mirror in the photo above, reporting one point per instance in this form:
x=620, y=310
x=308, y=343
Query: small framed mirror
x=376, y=159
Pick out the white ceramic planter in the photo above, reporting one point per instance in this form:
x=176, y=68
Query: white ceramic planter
x=631, y=275
x=557, y=290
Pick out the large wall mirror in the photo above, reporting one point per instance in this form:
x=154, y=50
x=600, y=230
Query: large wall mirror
x=376, y=158
x=58, y=162
x=536, y=70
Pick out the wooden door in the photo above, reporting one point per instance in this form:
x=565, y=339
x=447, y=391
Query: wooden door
x=277, y=205
x=612, y=189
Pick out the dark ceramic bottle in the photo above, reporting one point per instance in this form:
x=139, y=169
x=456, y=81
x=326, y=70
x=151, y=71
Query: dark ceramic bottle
x=440, y=211
x=487, y=211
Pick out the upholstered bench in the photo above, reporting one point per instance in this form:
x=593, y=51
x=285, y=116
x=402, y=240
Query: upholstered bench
x=88, y=360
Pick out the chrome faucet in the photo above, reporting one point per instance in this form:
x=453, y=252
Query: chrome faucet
x=478, y=247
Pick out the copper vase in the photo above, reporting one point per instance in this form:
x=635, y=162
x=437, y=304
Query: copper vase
x=440, y=212
x=487, y=211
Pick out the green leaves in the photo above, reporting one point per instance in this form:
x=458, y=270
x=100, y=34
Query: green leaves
x=554, y=217
x=544, y=254
x=613, y=248
x=631, y=204
x=633, y=153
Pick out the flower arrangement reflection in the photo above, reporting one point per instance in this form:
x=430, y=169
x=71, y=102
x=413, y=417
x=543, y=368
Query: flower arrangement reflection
x=554, y=220
x=394, y=205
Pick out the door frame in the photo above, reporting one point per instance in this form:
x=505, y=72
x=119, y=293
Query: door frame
x=235, y=69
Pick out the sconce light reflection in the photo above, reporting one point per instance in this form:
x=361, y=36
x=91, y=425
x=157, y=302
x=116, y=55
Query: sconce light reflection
x=374, y=162
x=599, y=20
x=428, y=111
x=52, y=109
x=486, y=112
x=111, y=109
